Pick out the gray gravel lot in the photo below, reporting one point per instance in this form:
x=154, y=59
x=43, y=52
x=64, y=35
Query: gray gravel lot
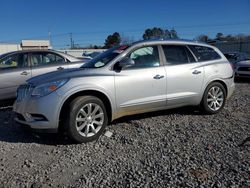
x=171, y=148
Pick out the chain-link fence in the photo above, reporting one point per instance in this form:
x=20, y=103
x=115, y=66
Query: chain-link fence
x=233, y=46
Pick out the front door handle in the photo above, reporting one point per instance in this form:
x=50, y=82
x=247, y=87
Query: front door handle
x=60, y=68
x=157, y=77
x=196, y=72
x=25, y=73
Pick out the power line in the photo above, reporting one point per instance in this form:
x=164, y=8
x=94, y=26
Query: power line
x=134, y=30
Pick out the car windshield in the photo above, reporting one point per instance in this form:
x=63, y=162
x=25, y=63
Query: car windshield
x=4, y=55
x=104, y=58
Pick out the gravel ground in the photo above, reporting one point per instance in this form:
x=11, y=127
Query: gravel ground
x=172, y=148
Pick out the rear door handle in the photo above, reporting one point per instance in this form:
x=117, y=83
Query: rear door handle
x=25, y=73
x=157, y=77
x=196, y=72
x=60, y=68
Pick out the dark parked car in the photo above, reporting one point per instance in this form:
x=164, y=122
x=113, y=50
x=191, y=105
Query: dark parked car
x=19, y=66
x=240, y=62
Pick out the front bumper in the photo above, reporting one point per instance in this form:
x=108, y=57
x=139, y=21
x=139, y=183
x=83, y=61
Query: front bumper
x=39, y=113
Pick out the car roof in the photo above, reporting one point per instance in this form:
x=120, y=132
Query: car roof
x=171, y=41
x=38, y=50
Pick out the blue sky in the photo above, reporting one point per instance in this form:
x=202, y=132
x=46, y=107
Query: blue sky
x=91, y=21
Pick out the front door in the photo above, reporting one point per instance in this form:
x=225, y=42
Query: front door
x=142, y=86
x=14, y=71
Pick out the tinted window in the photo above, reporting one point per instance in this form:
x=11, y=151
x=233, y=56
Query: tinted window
x=43, y=59
x=177, y=54
x=13, y=61
x=204, y=53
x=145, y=57
x=232, y=58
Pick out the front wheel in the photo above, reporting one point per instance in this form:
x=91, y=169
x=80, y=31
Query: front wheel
x=214, y=98
x=87, y=119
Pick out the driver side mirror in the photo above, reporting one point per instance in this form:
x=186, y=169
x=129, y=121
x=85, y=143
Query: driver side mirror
x=126, y=62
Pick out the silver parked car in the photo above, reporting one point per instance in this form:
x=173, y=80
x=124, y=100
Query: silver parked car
x=19, y=66
x=146, y=76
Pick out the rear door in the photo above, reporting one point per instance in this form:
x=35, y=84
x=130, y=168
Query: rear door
x=184, y=75
x=44, y=62
x=14, y=71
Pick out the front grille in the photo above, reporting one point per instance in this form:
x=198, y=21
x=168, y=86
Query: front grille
x=23, y=91
x=244, y=69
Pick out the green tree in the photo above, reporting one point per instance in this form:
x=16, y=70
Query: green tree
x=112, y=40
x=173, y=34
x=219, y=36
x=156, y=33
x=202, y=38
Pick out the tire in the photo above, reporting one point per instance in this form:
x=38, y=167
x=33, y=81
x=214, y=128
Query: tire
x=214, y=98
x=86, y=120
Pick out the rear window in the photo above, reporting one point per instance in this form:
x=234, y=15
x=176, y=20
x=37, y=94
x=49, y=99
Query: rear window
x=204, y=53
x=176, y=54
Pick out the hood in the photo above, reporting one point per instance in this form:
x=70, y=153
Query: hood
x=59, y=75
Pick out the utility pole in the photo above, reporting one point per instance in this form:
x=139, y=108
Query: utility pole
x=240, y=44
x=50, y=42
x=71, y=41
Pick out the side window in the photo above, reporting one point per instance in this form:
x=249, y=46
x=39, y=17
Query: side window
x=204, y=53
x=11, y=61
x=60, y=59
x=43, y=59
x=177, y=54
x=145, y=57
x=53, y=58
x=36, y=59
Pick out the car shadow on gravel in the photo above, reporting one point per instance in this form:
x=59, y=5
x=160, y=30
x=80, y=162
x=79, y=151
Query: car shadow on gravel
x=12, y=132
x=15, y=133
x=242, y=80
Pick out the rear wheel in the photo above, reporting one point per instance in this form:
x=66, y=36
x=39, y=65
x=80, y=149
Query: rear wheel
x=87, y=119
x=214, y=98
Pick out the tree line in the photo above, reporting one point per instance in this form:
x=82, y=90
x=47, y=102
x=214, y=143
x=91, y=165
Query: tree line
x=220, y=37
x=152, y=33
x=159, y=33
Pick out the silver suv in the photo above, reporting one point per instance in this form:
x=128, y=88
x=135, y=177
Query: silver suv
x=146, y=76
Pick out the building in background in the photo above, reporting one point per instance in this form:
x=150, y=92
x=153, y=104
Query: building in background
x=7, y=47
x=25, y=45
x=42, y=44
x=35, y=44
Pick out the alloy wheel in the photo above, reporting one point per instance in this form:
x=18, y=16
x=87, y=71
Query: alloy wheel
x=215, y=98
x=89, y=119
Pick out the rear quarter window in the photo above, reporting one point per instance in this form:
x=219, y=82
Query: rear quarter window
x=204, y=53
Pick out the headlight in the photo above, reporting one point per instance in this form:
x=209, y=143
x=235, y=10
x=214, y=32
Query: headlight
x=47, y=88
